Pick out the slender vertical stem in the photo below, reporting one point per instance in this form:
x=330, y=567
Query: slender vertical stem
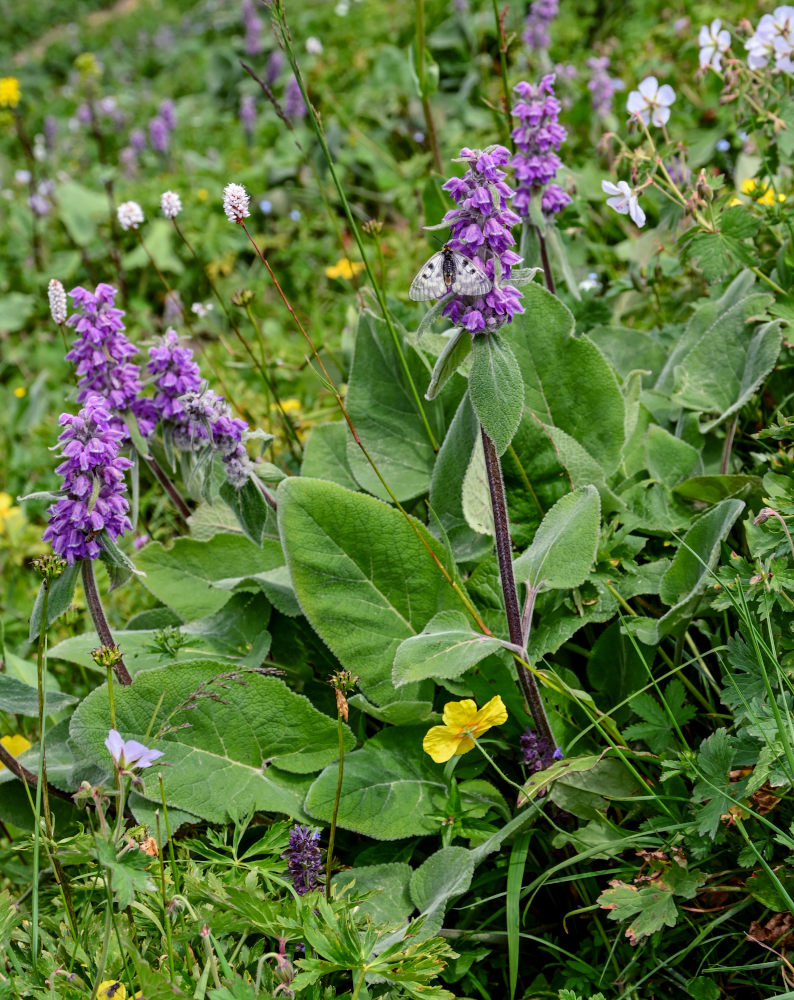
x=165, y=481
x=111, y=699
x=504, y=557
x=99, y=619
x=421, y=73
x=332, y=834
x=548, y=277
x=502, y=39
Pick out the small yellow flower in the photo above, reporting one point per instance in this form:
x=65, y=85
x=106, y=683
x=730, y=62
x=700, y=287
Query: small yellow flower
x=462, y=721
x=111, y=989
x=767, y=198
x=735, y=201
x=7, y=507
x=202, y=194
x=747, y=185
x=15, y=745
x=344, y=268
x=20, y=392
x=781, y=197
x=9, y=92
x=289, y=405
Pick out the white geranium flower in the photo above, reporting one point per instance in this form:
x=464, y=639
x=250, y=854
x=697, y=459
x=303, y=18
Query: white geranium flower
x=714, y=40
x=650, y=102
x=624, y=201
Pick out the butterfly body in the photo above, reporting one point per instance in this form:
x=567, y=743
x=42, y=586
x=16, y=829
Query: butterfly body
x=448, y=271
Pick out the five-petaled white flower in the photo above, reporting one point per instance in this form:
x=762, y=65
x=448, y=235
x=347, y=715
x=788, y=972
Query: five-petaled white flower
x=650, y=102
x=624, y=200
x=713, y=43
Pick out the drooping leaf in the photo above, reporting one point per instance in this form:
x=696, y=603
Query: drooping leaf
x=496, y=388
x=446, y=647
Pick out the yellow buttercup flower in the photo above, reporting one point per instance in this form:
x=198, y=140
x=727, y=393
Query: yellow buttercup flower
x=734, y=201
x=111, y=989
x=344, y=268
x=748, y=185
x=20, y=392
x=767, y=198
x=462, y=724
x=15, y=745
x=9, y=92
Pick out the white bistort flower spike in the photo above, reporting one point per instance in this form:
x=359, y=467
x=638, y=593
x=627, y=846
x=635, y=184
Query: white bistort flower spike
x=624, y=201
x=170, y=204
x=57, y=296
x=130, y=215
x=650, y=102
x=235, y=202
x=714, y=40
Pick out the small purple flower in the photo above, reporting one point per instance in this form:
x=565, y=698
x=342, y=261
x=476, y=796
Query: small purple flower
x=167, y=112
x=137, y=140
x=294, y=105
x=248, y=113
x=130, y=754
x=93, y=484
x=537, y=752
x=208, y=420
x=252, y=24
x=159, y=134
x=601, y=85
x=304, y=858
x=275, y=64
x=536, y=28
x=480, y=228
x=537, y=137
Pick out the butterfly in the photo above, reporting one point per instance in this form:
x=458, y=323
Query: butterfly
x=448, y=271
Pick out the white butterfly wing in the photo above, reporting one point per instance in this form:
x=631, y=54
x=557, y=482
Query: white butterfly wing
x=429, y=282
x=469, y=280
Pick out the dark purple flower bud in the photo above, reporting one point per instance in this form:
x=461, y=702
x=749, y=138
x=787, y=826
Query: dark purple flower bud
x=93, y=484
x=537, y=136
x=536, y=28
x=294, y=105
x=159, y=135
x=480, y=228
x=304, y=858
x=537, y=752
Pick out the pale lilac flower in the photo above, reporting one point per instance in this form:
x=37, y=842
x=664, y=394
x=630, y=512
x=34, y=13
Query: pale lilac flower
x=275, y=64
x=159, y=135
x=314, y=46
x=713, y=44
x=130, y=215
x=624, y=201
x=304, y=859
x=294, y=105
x=650, y=102
x=774, y=37
x=92, y=499
x=57, y=298
x=128, y=160
x=295, y=214
x=480, y=228
x=601, y=85
x=253, y=28
x=202, y=309
x=536, y=28
x=170, y=204
x=129, y=754
x=248, y=113
x=167, y=112
x=39, y=205
x=235, y=202
x=137, y=140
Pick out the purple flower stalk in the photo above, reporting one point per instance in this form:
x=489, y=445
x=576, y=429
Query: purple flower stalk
x=137, y=140
x=101, y=355
x=275, y=64
x=159, y=134
x=536, y=28
x=93, y=484
x=175, y=373
x=248, y=113
x=208, y=421
x=168, y=113
x=304, y=859
x=480, y=229
x=253, y=28
x=537, y=137
x=537, y=752
x=602, y=86
x=294, y=105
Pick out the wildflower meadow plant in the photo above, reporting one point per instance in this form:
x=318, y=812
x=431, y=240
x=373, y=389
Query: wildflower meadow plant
x=537, y=136
x=304, y=858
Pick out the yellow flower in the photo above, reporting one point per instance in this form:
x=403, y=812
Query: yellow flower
x=9, y=92
x=289, y=405
x=735, y=201
x=767, y=198
x=202, y=194
x=344, y=268
x=7, y=507
x=748, y=185
x=20, y=392
x=111, y=989
x=15, y=745
x=462, y=721
x=781, y=197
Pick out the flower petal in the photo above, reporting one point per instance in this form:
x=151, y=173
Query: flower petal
x=649, y=87
x=441, y=743
x=115, y=744
x=493, y=713
x=458, y=714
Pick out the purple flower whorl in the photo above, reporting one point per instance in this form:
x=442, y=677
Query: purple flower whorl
x=208, y=420
x=93, y=484
x=480, y=229
x=175, y=373
x=537, y=136
x=304, y=859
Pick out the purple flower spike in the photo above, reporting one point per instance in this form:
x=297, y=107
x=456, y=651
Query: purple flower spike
x=537, y=752
x=602, y=86
x=93, y=484
x=304, y=859
x=294, y=105
x=537, y=136
x=208, y=420
x=175, y=373
x=130, y=754
x=536, y=28
x=480, y=228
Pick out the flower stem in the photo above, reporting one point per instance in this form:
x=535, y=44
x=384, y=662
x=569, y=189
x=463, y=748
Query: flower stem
x=332, y=835
x=99, y=619
x=504, y=555
x=165, y=481
x=502, y=38
x=421, y=73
